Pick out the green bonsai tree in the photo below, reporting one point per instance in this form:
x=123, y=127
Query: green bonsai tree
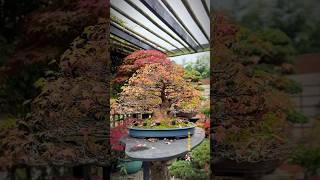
x=309, y=159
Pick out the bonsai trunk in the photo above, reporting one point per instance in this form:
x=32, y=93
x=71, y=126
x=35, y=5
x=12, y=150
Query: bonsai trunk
x=159, y=170
x=160, y=114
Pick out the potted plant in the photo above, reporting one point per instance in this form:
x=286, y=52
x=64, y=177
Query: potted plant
x=125, y=165
x=249, y=113
x=161, y=89
x=298, y=124
x=309, y=159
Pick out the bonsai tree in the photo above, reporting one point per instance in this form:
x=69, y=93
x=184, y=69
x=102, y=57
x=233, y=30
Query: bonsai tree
x=309, y=159
x=40, y=33
x=159, y=88
x=70, y=113
x=248, y=113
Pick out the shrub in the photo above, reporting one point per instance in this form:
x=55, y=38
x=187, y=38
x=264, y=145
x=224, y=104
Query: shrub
x=201, y=155
x=309, y=159
x=197, y=168
x=192, y=75
x=205, y=110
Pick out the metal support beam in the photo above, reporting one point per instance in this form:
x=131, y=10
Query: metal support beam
x=205, y=48
x=146, y=170
x=127, y=47
x=179, y=20
x=155, y=23
x=168, y=20
x=143, y=26
x=195, y=18
x=120, y=47
x=142, y=39
x=134, y=33
x=129, y=38
x=204, y=4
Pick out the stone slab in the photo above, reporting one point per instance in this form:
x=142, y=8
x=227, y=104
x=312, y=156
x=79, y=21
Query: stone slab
x=160, y=150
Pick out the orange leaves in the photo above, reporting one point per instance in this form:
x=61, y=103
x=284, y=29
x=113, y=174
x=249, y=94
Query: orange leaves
x=137, y=60
x=158, y=85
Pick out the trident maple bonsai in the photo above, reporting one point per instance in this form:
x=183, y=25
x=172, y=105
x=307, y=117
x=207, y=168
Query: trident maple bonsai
x=161, y=89
x=248, y=112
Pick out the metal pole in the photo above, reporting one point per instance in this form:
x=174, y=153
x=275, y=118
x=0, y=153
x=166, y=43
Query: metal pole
x=146, y=170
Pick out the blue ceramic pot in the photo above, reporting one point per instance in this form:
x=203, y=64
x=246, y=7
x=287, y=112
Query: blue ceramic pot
x=161, y=133
x=130, y=165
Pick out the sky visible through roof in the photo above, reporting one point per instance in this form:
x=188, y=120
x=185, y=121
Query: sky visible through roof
x=189, y=57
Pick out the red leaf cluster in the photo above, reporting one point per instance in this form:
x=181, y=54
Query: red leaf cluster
x=118, y=132
x=137, y=60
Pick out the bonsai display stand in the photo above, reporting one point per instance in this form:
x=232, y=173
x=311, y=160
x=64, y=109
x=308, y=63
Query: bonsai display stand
x=156, y=153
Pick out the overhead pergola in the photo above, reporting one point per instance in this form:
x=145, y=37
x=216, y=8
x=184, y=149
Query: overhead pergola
x=175, y=27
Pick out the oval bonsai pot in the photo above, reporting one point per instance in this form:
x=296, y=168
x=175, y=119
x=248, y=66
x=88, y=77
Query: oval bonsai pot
x=194, y=119
x=186, y=114
x=227, y=167
x=160, y=133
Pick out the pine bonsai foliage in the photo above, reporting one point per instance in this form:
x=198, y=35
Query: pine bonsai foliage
x=159, y=88
x=68, y=120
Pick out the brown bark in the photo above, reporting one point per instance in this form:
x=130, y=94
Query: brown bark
x=161, y=113
x=159, y=170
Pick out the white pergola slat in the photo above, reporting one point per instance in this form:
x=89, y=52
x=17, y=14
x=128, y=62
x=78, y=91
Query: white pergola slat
x=175, y=27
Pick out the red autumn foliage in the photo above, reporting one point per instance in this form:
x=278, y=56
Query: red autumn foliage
x=137, y=60
x=117, y=132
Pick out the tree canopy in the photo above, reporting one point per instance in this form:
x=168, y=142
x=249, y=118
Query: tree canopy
x=158, y=88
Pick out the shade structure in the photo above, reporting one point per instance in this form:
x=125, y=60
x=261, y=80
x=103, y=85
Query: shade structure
x=175, y=27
